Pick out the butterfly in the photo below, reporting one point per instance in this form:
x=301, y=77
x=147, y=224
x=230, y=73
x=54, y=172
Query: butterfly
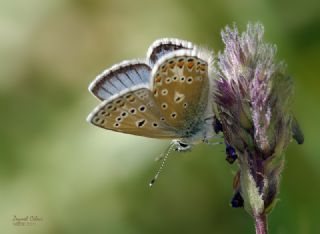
x=165, y=96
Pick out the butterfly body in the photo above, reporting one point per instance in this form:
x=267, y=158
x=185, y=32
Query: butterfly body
x=166, y=97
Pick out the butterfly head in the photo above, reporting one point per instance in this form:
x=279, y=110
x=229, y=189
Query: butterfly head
x=181, y=146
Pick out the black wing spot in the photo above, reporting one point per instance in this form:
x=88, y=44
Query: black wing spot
x=177, y=99
x=132, y=110
x=142, y=108
x=164, y=106
x=189, y=80
x=173, y=115
x=141, y=123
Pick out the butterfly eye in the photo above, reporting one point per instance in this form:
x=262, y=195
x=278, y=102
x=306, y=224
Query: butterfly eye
x=184, y=145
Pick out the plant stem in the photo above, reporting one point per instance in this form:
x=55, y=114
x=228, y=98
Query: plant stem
x=261, y=224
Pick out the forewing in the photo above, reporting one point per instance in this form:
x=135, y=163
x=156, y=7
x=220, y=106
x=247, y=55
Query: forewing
x=120, y=77
x=161, y=47
x=180, y=87
x=134, y=112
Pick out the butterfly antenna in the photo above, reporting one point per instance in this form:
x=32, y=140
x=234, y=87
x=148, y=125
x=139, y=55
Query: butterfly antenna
x=164, y=159
x=157, y=159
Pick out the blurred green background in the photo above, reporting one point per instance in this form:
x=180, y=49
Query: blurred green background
x=82, y=179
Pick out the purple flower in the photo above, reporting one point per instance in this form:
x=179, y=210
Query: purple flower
x=253, y=96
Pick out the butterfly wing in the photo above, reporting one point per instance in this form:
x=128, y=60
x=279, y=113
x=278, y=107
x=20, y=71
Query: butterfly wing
x=164, y=46
x=134, y=112
x=120, y=77
x=180, y=85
